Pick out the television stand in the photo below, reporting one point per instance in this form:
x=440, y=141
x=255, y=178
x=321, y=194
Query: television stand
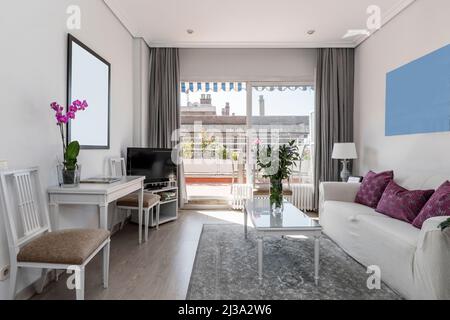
x=168, y=211
x=160, y=185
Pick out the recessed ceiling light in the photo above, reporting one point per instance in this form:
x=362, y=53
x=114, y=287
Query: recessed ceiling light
x=311, y=32
x=190, y=31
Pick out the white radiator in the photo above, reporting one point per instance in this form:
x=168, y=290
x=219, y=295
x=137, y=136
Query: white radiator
x=302, y=196
x=240, y=193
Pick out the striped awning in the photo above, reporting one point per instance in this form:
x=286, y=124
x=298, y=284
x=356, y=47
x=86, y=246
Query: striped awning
x=212, y=86
x=283, y=88
x=187, y=87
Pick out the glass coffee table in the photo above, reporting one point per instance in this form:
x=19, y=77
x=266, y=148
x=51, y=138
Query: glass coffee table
x=291, y=222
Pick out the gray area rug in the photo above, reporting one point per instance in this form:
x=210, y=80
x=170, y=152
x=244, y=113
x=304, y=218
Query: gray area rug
x=225, y=268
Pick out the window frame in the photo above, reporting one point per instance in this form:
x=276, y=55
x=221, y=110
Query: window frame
x=249, y=85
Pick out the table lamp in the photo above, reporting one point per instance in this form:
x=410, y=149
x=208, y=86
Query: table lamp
x=344, y=152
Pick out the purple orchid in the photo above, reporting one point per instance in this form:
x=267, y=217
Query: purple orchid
x=56, y=107
x=63, y=119
x=71, y=115
x=73, y=108
x=84, y=105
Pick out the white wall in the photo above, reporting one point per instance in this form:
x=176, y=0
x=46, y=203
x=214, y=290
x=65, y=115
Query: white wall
x=419, y=30
x=295, y=65
x=33, y=62
x=141, y=64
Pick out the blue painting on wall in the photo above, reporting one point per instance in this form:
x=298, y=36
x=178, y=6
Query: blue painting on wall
x=418, y=95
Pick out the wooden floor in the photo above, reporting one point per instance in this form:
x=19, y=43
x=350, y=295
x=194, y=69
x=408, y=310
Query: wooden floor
x=158, y=269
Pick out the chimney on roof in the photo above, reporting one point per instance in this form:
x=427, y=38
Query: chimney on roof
x=226, y=110
x=262, y=106
x=206, y=99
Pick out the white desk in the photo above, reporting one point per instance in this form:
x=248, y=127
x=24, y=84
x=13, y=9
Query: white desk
x=100, y=195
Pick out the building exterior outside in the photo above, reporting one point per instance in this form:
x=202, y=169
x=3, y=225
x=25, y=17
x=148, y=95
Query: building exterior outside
x=214, y=140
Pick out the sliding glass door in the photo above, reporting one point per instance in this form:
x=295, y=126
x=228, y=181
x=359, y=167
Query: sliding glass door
x=281, y=113
x=220, y=123
x=213, y=139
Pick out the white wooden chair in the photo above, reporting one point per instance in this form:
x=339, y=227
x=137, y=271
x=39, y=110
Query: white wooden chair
x=33, y=244
x=128, y=203
x=118, y=169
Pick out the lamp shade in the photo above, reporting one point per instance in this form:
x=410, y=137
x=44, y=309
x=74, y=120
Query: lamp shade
x=344, y=151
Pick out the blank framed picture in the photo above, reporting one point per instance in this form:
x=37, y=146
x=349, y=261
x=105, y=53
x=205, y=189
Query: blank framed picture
x=89, y=78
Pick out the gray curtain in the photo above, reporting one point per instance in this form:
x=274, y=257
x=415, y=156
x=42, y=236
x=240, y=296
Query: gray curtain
x=164, y=97
x=164, y=114
x=334, y=110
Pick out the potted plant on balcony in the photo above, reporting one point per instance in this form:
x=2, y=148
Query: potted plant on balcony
x=69, y=171
x=277, y=164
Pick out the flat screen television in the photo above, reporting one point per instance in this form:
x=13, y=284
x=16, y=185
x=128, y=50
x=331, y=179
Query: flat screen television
x=155, y=164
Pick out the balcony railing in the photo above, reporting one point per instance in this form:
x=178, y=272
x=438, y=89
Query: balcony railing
x=229, y=160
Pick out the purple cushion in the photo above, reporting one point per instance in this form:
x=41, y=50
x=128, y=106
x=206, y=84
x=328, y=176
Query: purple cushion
x=437, y=206
x=372, y=188
x=402, y=204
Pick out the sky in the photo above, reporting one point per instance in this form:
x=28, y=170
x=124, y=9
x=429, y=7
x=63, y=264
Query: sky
x=285, y=103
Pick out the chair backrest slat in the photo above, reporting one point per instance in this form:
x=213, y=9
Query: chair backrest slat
x=32, y=203
x=28, y=203
x=21, y=204
x=25, y=204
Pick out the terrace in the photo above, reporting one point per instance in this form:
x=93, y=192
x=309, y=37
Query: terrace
x=218, y=143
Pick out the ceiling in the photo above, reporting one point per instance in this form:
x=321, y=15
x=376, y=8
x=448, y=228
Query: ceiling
x=250, y=23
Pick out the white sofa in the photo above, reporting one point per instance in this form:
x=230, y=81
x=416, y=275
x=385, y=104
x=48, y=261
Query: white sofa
x=415, y=263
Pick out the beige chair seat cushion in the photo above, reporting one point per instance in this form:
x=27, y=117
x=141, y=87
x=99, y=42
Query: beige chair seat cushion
x=150, y=200
x=72, y=246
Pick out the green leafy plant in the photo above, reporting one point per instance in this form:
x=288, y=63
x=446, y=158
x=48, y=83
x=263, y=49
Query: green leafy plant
x=277, y=166
x=224, y=153
x=188, y=149
x=306, y=155
x=71, y=154
x=444, y=225
x=281, y=165
x=209, y=145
